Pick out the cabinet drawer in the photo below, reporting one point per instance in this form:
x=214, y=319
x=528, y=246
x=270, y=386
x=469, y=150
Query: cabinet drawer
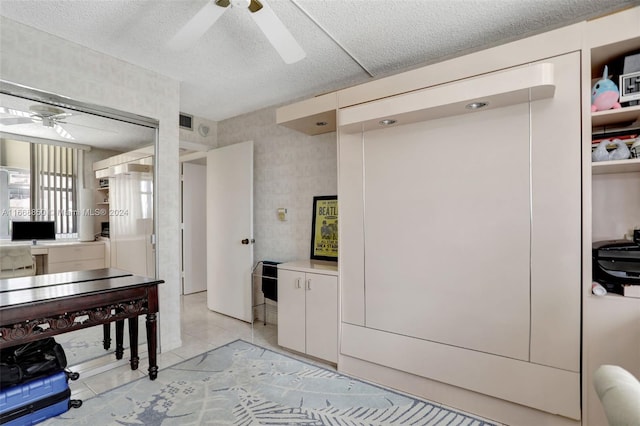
x=76, y=253
x=76, y=265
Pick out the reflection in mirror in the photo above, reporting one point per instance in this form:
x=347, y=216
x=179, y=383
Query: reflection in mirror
x=88, y=169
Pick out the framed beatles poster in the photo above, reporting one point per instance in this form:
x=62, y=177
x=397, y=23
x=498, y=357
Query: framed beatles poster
x=324, y=228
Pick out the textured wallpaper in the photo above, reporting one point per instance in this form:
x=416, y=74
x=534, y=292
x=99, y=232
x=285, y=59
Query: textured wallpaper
x=290, y=168
x=39, y=60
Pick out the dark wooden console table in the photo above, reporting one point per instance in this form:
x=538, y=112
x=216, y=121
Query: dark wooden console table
x=40, y=306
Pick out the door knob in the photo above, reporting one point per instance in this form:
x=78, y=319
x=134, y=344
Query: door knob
x=247, y=241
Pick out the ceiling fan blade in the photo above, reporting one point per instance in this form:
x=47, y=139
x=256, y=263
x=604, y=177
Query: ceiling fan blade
x=62, y=132
x=277, y=34
x=101, y=129
x=18, y=113
x=198, y=25
x=10, y=121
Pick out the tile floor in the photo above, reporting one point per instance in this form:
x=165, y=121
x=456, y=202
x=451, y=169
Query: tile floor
x=201, y=329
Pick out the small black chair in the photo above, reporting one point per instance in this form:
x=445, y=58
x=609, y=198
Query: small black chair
x=269, y=283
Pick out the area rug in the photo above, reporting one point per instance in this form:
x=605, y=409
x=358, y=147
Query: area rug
x=244, y=384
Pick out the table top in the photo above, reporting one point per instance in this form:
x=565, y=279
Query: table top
x=69, y=289
x=35, y=281
x=314, y=266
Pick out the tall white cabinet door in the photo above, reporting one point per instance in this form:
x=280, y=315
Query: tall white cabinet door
x=322, y=316
x=291, y=312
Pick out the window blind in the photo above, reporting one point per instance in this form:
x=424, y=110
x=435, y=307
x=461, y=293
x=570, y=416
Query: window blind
x=54, y=175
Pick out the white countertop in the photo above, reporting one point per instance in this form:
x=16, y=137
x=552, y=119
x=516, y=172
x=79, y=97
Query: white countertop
x=313, y=266
x=48, y=244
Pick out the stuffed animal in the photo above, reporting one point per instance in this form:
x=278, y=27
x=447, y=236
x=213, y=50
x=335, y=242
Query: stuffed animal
x=621, y=152
x=604, y=94
x=601, y=153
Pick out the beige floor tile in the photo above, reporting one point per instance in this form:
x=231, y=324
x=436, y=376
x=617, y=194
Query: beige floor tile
x=113, y=378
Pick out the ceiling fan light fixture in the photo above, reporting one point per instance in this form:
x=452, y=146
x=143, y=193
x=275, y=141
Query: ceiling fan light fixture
x=46, y=110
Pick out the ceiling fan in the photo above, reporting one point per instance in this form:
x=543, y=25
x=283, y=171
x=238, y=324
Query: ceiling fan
x=272, y=27
x=48, y=116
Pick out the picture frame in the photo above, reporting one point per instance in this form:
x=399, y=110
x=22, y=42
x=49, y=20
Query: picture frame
x=324, y=228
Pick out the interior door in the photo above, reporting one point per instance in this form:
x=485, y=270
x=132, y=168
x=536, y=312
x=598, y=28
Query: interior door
x=194, y=236
x=230, y=230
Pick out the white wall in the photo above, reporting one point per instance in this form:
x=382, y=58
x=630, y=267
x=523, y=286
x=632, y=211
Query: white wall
x=195, y=135
x=39, y=60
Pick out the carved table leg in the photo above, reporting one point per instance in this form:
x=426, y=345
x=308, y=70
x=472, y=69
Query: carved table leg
x=106, y=331
x=152, y=344
x=119, y=338
x=133, y=342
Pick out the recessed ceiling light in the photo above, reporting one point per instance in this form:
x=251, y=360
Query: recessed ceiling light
x=386, y=122
x=476, y=105
x=321, y=123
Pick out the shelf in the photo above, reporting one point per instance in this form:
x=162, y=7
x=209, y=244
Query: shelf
x=615, y=116
x=103, y=203
x=103, y=188
x=617, y=166
x=609, y=53
x=616, y=297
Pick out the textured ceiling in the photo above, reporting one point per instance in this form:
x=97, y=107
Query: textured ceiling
x=232, y=69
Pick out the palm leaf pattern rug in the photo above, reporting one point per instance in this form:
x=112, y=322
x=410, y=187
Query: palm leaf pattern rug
x=244, y=384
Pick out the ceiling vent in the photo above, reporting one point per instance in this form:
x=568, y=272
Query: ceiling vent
x=186, y=121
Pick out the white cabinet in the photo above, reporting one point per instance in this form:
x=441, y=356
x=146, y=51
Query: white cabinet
x=65, y=257
x=308, y=308
x=479, y=264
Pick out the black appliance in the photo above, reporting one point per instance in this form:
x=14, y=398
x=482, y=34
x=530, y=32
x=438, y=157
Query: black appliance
x=104, y=229
x=616, y=262
x=33, y=230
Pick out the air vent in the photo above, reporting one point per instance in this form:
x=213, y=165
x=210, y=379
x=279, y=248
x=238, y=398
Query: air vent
x=186, y=121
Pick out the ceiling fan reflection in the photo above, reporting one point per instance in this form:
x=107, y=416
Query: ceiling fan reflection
x=48, y=116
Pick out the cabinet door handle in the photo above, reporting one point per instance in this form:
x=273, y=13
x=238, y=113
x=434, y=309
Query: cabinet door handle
x=297, y=282
x=309, y=284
